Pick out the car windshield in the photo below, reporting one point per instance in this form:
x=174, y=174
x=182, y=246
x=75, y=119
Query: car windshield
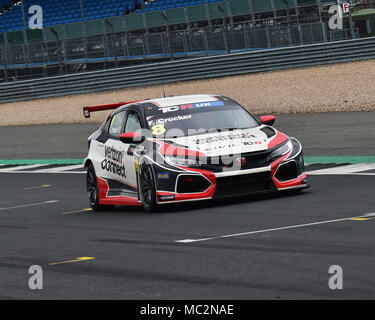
x=190, y=119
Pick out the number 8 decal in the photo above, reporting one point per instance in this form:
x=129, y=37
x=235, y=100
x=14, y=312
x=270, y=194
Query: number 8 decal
x=158, y=130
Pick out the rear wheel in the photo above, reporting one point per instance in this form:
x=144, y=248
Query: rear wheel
x=147, y=188
x=93, y=190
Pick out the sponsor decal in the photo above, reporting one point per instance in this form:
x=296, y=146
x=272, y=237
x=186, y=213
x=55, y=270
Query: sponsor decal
x=192, y=106
x=218, y=147
x=131, y=150
x=113, y=154
x=232, y=140
x=252, y=143
x=136, y=163
x=114, y=168
x=241, y=162
x=163, y=175
x=167, y=198
x=113, y=161
x=232, y=136
x=208, y=148
x=140, y=150
x=166, y=120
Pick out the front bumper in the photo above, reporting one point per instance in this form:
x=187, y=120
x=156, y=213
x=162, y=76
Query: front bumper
x=281, y=175
x=244, y=184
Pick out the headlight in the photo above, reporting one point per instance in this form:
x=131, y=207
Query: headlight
x=297, y=148
x=182, y=161
x=284, y=149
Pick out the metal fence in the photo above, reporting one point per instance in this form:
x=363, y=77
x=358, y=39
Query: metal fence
x=190, y=69
x=42, y=59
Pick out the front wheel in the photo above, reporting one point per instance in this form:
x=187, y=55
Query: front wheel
x=147, y=188
x=93, y=190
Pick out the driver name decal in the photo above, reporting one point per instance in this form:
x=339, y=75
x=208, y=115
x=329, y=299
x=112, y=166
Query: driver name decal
x=172, y=119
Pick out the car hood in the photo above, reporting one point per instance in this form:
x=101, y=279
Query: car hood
x=237, y=141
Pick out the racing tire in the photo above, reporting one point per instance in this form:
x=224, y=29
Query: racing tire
x=147, y=189
x=93, y=190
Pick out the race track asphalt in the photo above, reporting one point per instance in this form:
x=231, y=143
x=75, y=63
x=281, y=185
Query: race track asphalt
x=261, y=247
x=341, y=133
x=136, y=256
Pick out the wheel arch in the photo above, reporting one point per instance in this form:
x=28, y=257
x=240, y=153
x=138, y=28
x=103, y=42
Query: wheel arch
x=148, y=163
x=87, y=163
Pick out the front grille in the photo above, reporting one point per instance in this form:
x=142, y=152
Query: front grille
x=244, y=184
x=287, y=171
x=291, y=170
x=192, y=184
x=254, y=160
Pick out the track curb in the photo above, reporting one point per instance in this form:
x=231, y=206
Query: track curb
x=309, y=160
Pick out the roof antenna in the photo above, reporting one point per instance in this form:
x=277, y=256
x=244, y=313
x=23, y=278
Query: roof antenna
x=163, y=80
x=163, y=89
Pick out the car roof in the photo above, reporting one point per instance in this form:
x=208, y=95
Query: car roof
x=178, y=100
x=172, y=101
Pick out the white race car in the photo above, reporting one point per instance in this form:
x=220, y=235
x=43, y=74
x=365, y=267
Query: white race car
x=187, y=148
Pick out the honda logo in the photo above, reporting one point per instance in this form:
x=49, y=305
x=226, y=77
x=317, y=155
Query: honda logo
x=241, y=162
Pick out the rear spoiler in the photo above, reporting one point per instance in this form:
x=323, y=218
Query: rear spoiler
x=87, y=110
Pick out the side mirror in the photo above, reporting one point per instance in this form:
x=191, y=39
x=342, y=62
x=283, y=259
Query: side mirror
x=268, y=120
x=131, y=137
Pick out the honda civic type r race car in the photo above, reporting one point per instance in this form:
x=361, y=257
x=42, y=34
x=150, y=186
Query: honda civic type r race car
x=187, y=148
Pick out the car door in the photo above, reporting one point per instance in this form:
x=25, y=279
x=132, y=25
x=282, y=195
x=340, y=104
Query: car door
x=113, y=164
x=133, y=124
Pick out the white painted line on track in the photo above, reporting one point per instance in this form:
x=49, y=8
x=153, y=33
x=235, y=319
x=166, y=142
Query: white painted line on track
x=29, y=205
x=348, y=169
x=367, y=215
x=20, y=168
x=47, y=172
x=60, y=169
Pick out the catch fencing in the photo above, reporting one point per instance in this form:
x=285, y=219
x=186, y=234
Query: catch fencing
x=190, y=69
x=50, y=58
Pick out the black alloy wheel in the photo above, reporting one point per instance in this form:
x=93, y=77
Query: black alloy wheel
x=147, y=188
x=93, y=190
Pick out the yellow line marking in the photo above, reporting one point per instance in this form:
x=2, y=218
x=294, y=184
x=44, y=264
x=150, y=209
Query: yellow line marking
x=70, y=261
x=78, y=211
x=38, y=187
x=361, y=219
